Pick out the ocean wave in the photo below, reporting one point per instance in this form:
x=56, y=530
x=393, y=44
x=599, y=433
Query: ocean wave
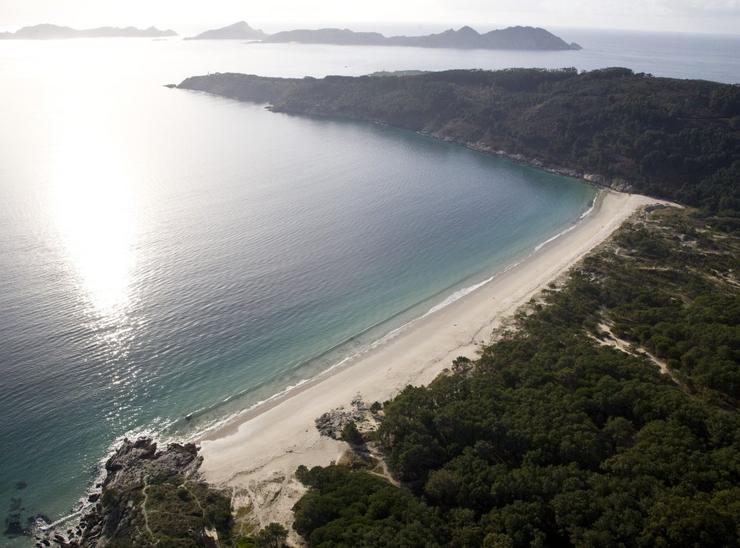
x=573, y=226
x=589, y=210
x=552, y=239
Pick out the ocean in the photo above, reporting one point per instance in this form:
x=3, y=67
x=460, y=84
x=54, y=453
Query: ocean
x=167, y=254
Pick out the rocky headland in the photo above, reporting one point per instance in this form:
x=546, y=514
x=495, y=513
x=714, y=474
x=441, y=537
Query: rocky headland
x=149, y=496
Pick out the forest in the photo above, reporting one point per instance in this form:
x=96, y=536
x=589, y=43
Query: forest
x=675, y=139
x=607, y=416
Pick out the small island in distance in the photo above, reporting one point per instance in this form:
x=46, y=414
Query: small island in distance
x=510, y=38
x=55, y=32
x=523, y=38
x=238, y=31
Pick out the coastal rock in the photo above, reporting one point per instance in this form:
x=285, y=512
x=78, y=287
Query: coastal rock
x=332, y=423
x=118, y=511
x=620, y=185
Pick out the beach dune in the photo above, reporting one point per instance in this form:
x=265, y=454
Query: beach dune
x=257, y=453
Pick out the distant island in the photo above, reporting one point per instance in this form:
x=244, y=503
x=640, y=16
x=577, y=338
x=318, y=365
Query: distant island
x=55, y=32
x=524, y=38
x=512, y=38
x=237, y=31
x=629, y=131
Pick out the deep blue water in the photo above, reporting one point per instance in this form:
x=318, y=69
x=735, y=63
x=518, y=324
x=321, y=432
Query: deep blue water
x=165, y=253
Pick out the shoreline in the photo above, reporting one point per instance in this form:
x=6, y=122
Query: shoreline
x=257, y=451
x=229, y=423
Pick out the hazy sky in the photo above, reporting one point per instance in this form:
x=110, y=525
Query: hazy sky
x=712, y=16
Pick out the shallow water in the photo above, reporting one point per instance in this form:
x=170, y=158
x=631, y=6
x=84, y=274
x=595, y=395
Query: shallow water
x=165, y=253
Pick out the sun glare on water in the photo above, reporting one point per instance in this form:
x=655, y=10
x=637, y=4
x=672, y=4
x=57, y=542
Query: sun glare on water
x=96, y=219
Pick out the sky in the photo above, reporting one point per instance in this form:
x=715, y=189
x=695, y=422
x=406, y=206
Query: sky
x=705, y=16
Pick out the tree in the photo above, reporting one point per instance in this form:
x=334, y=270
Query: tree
x=352, y=435
x=272, y=536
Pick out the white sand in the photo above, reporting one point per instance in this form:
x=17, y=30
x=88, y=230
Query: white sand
x=258, y=453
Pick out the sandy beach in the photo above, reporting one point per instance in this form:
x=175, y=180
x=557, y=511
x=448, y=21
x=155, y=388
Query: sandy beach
x=258, y=452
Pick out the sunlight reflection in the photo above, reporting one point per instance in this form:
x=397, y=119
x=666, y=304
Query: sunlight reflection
x=96, y=219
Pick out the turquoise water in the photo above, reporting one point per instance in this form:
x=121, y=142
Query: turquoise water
x=165, y=253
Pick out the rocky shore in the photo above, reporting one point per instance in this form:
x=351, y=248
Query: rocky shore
x=149, y=495
x=619, y=184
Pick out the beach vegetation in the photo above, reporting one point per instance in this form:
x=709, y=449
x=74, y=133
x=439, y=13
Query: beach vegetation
x=272, y=536
x=352, y=435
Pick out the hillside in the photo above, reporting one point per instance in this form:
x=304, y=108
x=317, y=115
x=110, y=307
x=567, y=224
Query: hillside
x=675, y=139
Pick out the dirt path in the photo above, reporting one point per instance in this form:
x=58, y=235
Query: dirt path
x=632, y=350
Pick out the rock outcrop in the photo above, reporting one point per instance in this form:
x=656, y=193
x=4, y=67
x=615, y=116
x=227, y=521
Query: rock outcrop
x=333, y=423
x=149, y=496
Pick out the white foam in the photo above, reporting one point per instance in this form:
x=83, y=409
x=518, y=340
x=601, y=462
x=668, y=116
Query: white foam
x=589, y=210
x=457, y=295
x=562, y=232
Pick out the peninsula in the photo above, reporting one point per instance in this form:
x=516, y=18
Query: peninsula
x=674, y=139
x=56, y=32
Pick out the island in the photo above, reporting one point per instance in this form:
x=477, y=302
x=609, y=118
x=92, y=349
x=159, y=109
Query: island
x=511, y=38
x=56, y=32
x=587, y=396
x=237, y=31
